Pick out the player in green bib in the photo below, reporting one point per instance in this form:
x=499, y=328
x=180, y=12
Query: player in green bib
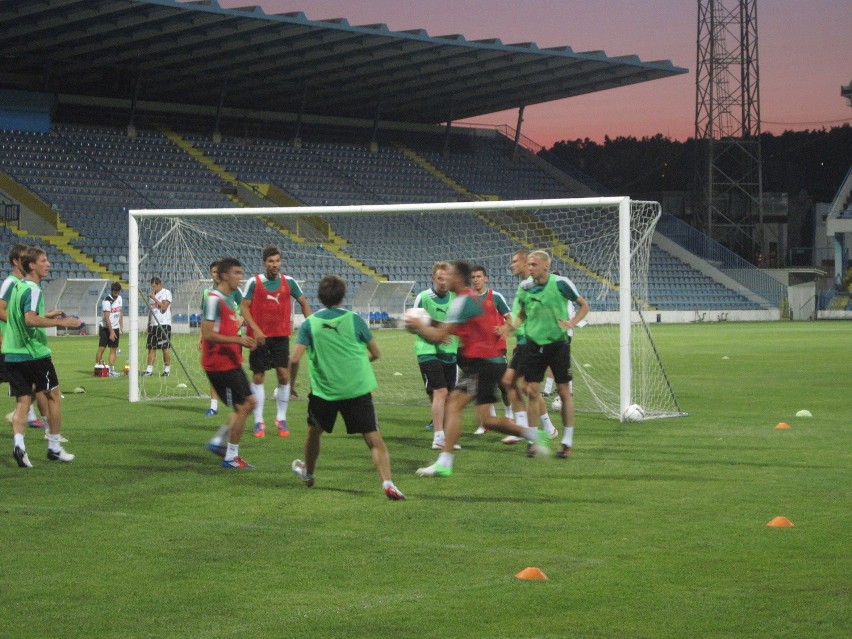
x=340, y=347
x=16, y=275
x=437, y=362
x=28, y=358
x=543, y=302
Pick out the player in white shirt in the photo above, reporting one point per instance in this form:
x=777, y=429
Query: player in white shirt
x=109, y=332
x=159, y=327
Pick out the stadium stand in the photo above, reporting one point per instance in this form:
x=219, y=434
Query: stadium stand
x=92, y=174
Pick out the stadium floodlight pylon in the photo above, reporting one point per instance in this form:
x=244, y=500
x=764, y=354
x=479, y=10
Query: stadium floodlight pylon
x=603, y=244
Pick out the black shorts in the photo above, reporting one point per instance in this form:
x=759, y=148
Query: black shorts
x=103, y=338
x=518, y=355
x=437, y=374
x=159, y=337
x=4, y=374
x=538, y=357
x=480, y=379
x=359, y=414
x=275, y=353
x=231, y=386
x=32, y=376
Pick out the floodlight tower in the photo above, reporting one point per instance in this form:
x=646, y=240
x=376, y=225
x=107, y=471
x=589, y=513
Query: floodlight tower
x=729, y=185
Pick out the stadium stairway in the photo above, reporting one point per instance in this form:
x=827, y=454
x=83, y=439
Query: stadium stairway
x=333, y=243
x=336, y=245
x=202, y=159
x=531, y=227
x=61, y=240
x=464, y=194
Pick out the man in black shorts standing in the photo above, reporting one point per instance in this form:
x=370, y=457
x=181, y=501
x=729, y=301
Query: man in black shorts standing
x=159, y=327
x=29, y=365
x=543, y=309
x=267, y=308
x=437, y=362
x=109, y=332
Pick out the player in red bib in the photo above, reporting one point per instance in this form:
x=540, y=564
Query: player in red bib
x=482, y=359
x=267, y=309
x=222, y=360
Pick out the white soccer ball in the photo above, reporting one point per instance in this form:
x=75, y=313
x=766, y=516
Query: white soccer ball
x=556, y=404
x=633, y=413
x=421, y=315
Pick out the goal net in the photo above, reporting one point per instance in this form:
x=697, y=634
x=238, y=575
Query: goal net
x=386, y=253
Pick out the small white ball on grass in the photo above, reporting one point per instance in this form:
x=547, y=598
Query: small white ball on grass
x=634, y=413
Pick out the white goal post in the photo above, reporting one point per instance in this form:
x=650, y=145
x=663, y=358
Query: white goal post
x=602, y=244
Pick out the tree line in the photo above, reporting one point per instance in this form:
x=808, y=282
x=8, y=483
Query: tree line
x=812, y=162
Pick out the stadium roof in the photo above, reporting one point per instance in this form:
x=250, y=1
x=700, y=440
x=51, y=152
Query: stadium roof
x=199, y=53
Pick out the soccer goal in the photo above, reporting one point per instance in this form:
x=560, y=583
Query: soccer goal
x=602, y=244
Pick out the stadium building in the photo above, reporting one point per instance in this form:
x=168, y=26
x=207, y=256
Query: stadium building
x=112, y=105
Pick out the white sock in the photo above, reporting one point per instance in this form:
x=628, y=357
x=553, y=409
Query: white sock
x=438, y=438
x=492, y=410
x=568, y=437
x=167, y=369
x=259, y=393
x=19, y=441
x=548, y=386
x=233, y=451
x=221, y=435
x=31, y=416
x=388, y=484
x=531, y=435
x=445, y=460
x=546, y=423
x=521, y=418
x=214, y=404
x=282, y=398
x=508, y=412
x=53, y=442
x=149, y=368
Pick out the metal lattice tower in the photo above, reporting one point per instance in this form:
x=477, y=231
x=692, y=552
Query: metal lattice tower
x=729, y=185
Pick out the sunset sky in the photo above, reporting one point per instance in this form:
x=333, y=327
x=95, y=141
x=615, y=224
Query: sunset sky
x=805, y=55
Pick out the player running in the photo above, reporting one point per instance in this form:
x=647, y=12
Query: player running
x=496, y=305
x=482, y=362
x=340, y=348
x=222, y=359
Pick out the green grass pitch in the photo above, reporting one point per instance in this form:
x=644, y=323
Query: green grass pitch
x=649, y=530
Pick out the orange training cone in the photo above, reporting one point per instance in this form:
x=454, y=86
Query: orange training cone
x=780, y=522
x=531, y=573
x=782, y=425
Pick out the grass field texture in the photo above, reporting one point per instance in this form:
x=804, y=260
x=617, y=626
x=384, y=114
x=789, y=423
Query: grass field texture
x=649, y=530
